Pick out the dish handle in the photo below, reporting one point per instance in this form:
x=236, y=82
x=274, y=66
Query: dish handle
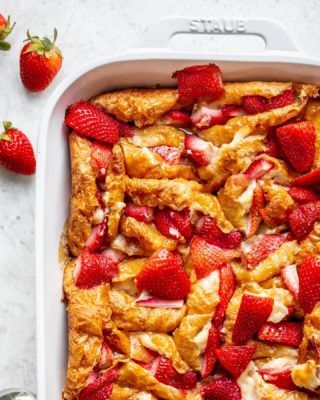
x=275, y=36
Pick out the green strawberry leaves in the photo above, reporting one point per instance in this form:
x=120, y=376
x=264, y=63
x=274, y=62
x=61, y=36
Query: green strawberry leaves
x=4, y=45
x=43, y=46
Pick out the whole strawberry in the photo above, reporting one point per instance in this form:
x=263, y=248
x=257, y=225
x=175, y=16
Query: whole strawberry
x=16, y=152
x=40, y=61
x=5, y=30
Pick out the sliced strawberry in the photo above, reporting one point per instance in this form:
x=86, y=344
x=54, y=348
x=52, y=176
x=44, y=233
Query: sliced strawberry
x=257, y=249
x=272, y=145
x=298, y=144
x=114, y=255
x=221, y=388
x=201, y=151
x=163, y=276
x=90, y=121
x=209, y=230
x=101, y=155
x=281, y=379
x=182, y=221
x=286, y=332
x=167, y=374
x=236, y=358
x=95, y=239
x=170, y=154
x=227, y=286
x=309, y=283
x=290, y=278
x=165, y=224
x=259, y=104
x=93, y=270
x=302, y=219
x=176, y=118
x=303, y=195
x=125, y=130
x=101, y=387
x=207, y=257
x=203, y=117
x=258, y=202
x=107, y=357
x=254, y=311
x=140, y=213
x=312, y=178
x=209, y=359
x=199, y=80
x=258, y=168
x=232, y=110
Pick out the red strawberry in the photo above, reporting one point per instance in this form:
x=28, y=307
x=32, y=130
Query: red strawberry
x=258, y=202
x=298, y=144
x=140, y=213
x=207, y=257
x=272, y=144
x=259, y=104
x=182, y=222
x=302, y=219
x=101, y=387
x=165, y=224
x=95, y=239
x=204, y=117
x=209, y=359
x=163, y=276
x=40, y=61
x=290, y=278
x=258, y=168
x=236, y=358
x=232, y=110
x=93, y=270
x=201, y=151
x=227, y=287
x=309, y=283
x=125, y=130
x=287, y=333
x=166, y=374
x=176, y=118
x=170, y=154
x=209, y=230
x=312, y=178
x=257, y=249
x=199, y=80
x=221, y=388
x=90, y=121
x=281, y=379
x=16, y=152
x=253, y=313
x=303, y=195
x=5, y=30
x=101, y=155
x=106, y=358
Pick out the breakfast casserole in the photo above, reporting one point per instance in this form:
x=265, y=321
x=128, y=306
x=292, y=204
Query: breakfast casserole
x=194, y=241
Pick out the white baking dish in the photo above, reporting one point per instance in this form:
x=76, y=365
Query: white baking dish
x=150, y=64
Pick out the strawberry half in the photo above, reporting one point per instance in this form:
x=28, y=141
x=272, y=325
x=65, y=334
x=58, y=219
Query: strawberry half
x=298, y=144
x=170, y=154
x=207, y=257
x=303, y=195
x=286, y=332
x=165, y=224
x=258, y=168
x=176, y=118
x=290, y=278
x=281, y=379
x=204, y=117
x=257, y=249
x=201, y=151
x=40, y=61
x=140, y=213
x=199, y=80
x=163, y=276
x=90, y=121
x=16, y=152
x=312, y=178
x=93, y=269
x=272, y=144
x=183, y=223
x=107, y=357
x=209, y=358
x=221, y=388
x=95, y=239
x=254, y=311
x=259, y=104
x=209, y=230
x=5, y=30
x=309, y=283
x=101, y=387
x=302, y=219
x=101, y=155
x=227, y=286
x=167, y=374
x=232, y=110
x=235, y=359
x=258, y=202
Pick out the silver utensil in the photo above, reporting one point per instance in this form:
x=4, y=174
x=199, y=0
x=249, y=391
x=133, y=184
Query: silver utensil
x=16, y=394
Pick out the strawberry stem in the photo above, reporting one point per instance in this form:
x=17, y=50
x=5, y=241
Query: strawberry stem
x=7, y=125
x=42, y=46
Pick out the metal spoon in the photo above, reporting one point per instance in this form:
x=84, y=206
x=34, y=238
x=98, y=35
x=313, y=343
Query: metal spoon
x=16, y=394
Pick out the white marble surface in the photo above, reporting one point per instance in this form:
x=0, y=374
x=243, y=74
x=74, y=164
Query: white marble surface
x=87, y=29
